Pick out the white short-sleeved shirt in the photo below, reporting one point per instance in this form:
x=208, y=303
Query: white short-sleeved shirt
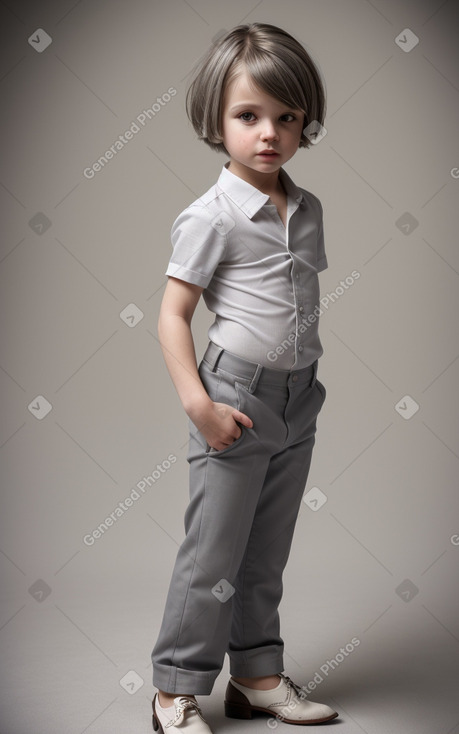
x=260, y=278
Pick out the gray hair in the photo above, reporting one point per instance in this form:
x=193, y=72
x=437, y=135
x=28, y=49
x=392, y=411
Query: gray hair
x=276, y=63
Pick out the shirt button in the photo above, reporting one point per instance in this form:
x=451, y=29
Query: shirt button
x=294, y=378
x=300, y=348
x=301, y=309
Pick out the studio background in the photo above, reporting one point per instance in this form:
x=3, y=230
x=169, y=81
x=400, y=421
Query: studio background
x=88, y=409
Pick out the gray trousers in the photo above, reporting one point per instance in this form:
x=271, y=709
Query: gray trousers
x=244, y=501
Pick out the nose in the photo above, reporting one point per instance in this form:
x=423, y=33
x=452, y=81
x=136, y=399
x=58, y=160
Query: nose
x=269, y=131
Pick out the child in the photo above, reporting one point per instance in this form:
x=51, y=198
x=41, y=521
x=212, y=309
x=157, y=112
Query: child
x=252, y=246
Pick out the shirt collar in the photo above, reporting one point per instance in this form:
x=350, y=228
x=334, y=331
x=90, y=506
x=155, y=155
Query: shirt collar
x=248, y=198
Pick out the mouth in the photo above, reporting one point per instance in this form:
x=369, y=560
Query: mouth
x=268, y=154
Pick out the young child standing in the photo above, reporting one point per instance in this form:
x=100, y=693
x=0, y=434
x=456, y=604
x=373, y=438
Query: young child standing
x=253, y=247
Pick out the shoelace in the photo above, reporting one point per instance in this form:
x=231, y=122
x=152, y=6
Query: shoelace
x=183, y=705
x=300, y=692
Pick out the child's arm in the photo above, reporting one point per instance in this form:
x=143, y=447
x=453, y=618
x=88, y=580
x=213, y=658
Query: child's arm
x=218, y=426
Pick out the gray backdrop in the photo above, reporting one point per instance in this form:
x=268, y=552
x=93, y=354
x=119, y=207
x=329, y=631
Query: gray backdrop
x=90, y=418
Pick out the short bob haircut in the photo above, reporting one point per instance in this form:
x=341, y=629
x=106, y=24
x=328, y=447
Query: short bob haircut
x=276, y=63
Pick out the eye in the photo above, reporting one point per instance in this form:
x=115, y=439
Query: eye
x=244, y=119
x=244, y=116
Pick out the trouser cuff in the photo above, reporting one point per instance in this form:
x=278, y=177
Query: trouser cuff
x=179, y=680
x=256, y=662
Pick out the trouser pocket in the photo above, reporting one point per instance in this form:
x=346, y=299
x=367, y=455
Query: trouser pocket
x=230, y=390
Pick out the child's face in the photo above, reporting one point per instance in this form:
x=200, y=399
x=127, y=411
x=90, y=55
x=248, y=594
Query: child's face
x=252, y=122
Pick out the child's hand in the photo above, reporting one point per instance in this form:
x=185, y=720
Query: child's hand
x=219, y=424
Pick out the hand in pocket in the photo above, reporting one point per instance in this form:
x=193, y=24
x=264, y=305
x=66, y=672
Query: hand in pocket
x=219, y=425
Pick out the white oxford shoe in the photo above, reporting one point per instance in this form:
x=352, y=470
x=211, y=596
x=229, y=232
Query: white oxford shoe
x=188, y=718
x=287, y=702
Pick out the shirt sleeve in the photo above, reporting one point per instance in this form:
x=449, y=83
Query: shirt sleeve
x=322, y=263
x=199, y=245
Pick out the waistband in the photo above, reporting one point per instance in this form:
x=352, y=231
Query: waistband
x=216, y=356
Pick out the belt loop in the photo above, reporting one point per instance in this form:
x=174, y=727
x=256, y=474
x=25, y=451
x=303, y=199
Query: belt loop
x=212, y=355
x=314, y=372
x=255, y=378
